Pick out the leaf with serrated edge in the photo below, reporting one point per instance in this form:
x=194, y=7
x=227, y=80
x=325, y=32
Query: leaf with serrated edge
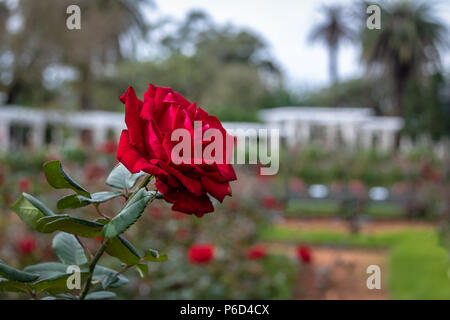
x=14, y=274
x=76, y=201
x=128, y=215
x=58, y=179
x=30, y=210
x=123, y=250
x=70, y=225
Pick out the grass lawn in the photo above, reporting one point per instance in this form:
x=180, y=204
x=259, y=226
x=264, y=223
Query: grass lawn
x=329, y=208
x=418, y=266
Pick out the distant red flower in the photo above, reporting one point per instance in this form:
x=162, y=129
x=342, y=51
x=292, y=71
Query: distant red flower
x=94, y=172
x=270, y=203
x=99, y=239
x=156, y=212
x=256, y=252
x=182, y=233
x=304, y=254
x=201, y=253
x=109, y=147
x=26, y=245
x=24, y=185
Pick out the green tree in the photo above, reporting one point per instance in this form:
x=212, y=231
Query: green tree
x=44, y=40
x=331, y=31
x=408, y=41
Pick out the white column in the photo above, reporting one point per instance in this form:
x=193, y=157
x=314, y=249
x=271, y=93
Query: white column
x=387, y=140
x=291, y=133
x=331, y=131
x=4, y=136
x=366, y=138
x=99, y=135
x=37, y=135
x=305, y=132
x=349, y=136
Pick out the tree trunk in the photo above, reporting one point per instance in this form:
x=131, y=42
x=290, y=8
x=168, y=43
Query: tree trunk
x=400, y=84
x=14, y=92
x=333, y=64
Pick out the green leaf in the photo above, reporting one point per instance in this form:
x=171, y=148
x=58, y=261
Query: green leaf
x=142, y=268
x=47, y=270
x=12, y=286
x=14, y=274
x=69, y=250
x=30, y=210
x=70, y=225
x=100, y=197
x=109, y=277
x=121, y=178
x=52, y=277
x=120, y=248
x=70, y=202
x=100, y=295
x=56, y=284
x=75, y=201
x=58, y=179
x=129, y=214
x=154, y=256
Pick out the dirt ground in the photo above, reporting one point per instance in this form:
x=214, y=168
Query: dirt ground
x=338, y=273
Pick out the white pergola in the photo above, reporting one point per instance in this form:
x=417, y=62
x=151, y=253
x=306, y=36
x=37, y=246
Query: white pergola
x=334, y=127
x=349, y=127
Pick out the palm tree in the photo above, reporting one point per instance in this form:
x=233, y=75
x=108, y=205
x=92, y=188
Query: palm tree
x=407, y=43
x=331, y=31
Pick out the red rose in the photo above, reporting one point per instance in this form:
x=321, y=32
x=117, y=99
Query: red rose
x=24, y=185
x=256, y=252
x=201, y=253
x=147, y=146
x=304, y=254
x=26, y=245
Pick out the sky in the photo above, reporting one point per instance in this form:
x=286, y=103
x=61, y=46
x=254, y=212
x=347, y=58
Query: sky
x=285, y=25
